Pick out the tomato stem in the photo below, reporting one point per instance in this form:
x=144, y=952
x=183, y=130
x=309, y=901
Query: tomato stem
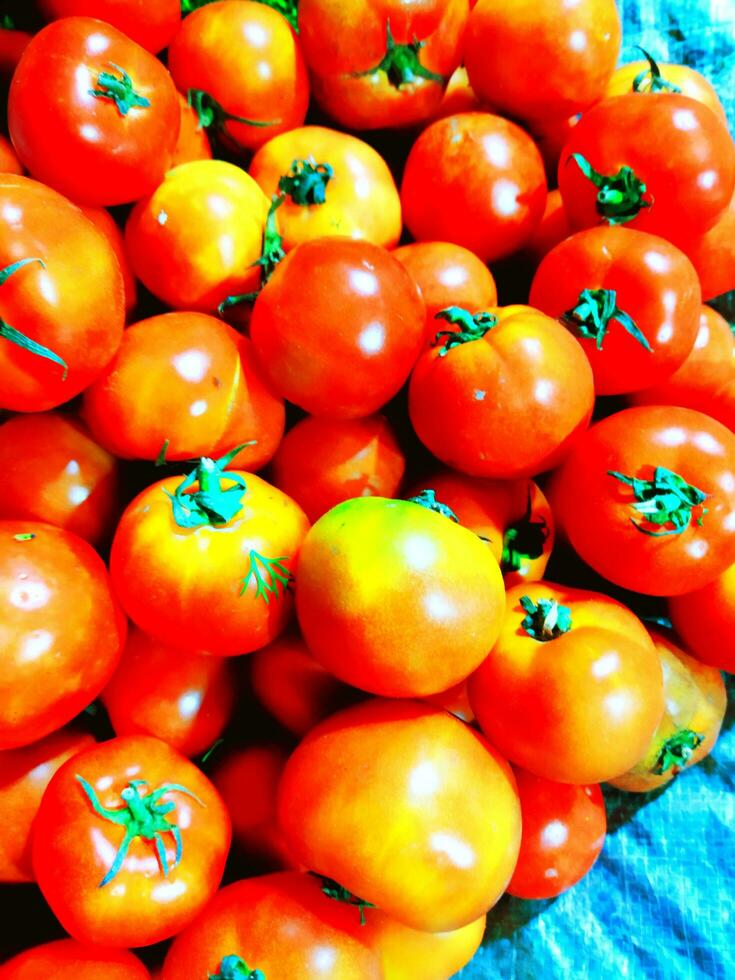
x=593, y=314
x=401, y=63
x=545, y=620
x=306, y=182
x=270, y=576
x=666, y=499
x=213, y=115
x=20, y=339
x=234, y=967
x=651, y=79
x=427, y=499
x=210, y=504
x=272, y=252
x=119, y=90
x=523, y=541
x=677, y=751
x=339, y=893
x=619, y=196
x=472, y=327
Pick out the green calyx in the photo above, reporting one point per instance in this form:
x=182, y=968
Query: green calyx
x=593, y=314
x=141, y=816
x=210, y=504
x=651, y=79
x=235, y=968
x=401, y=63
x=338, y=893
x=523, y=541
x=272, y=578
x=472, y=327
x=427, y=499
x=545, y=620
x=666, y=499
x=213, y=115
x=119, y=90
x=677, y=751
x=620, y=196
x=20, y=339
x=272, y=252
x=238, y=300
x=306, y=182
x=6, y=22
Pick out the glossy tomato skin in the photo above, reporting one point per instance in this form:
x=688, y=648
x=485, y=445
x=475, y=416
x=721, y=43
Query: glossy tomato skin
x=597, y=512
x=24, y=775
x=379, y=578
x=150, y=23
x=477, y=180
x=655, y=284
x=193, y=142
x=564, y=829
x=282, y=924
x=691, y=83
x=440, y=855
x=322, y=462
x=191, y=381
x=705, y=619
x=195, y=240
x=180, y=597
x=81, y=144
x=213, y=46
x=75, y=483
x=573, y=49
x=74, y=305
x=9, y=162
x=579, y=707
x=104, y=222
x=66, y=959
x=411, y=953
x=183, y=698
x=62, y=630
x=333, y=302
x=507, y=405
x=713, y=254
x=361, y=198
x=688, y=167
x=74, y=846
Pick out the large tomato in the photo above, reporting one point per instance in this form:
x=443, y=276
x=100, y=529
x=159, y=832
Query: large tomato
x=440, y=854
x=647, y=498
x=129, y=843
x=67, y=959
x=649, y=77
x=150, y=23
x=61, y=298
x=573, y=689
x=705, y=620
x=93, y=114
x=61, y=631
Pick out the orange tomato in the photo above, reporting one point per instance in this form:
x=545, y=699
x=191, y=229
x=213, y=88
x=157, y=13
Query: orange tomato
x=66, y=959
x=9, y=162
x=410, y=954
x=104, y=222
x=647, y=76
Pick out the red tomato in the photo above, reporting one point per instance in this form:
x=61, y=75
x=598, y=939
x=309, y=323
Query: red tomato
x=563, y=832
x=633, y=301
x=649, y=77
x=191, y=382
x=705, y=620
x=331, y=303
x=61, y=631
x=93, y=114
x=24, y=775
x=183, y=698
x=542, y=60
x=209, y=569
x=61, y=298
x=551, y=230
x=322, y=462
x=539, y=385
x=74, y=481
x=241, y=66
x=572, y=690
x=441, y=853
x=647, y=498
x=9, y=162
x=104, y=222
x=713, y=254
x=476, y=180
x=129, y=843
x=193, y=143
x=683, y=171
x=150, y=23
x=12, y=45
x=67, y=959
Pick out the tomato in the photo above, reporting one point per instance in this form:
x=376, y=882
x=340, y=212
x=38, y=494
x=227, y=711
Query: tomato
x=476, y=180
x=54, y=472
x=647, y=498
x=283, y=925
x=551, y=136
x=563, y=832
x=322, y=462
x=632, y=299
x=61, y=298
x=294, y=687
x=447, y=275
x=410, y=954
x=209, y=569
x=190, y=382
x=333, y=184
x=240, y=64
x=542, y=60
x=67, y=959
x=379, y=578
x=331, y=303
x=12, y=45
x=550, y=231
x=440, y=854
x=183, y=698
x=193, y=143
x=9, y=162
x=696, y=700
x=572, y=690
x=647, y=76
x=713, y=254
x=24, y=775
x=682, y=176
x=150, y=23
x=197, y=239
x=513, y=517
x=459, y=95
x=396, y=74
x=92, y=114
x=61, y=632
x=104, y=222
x=705, y=620
x=539, y=385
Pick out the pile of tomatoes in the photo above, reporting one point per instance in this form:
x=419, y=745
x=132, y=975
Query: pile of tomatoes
x=269, y=405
